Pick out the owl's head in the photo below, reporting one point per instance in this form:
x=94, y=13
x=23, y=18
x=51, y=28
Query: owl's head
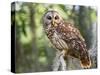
x=52, y=18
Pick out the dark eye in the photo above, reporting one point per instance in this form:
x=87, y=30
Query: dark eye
x=56, y=17
x=49, y=17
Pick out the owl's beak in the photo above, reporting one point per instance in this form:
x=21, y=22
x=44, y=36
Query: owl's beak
x=53, y=23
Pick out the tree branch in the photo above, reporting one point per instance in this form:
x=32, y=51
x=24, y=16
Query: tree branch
x=59, y=63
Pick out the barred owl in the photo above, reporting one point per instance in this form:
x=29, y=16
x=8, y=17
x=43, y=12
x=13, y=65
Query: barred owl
x=66, y=38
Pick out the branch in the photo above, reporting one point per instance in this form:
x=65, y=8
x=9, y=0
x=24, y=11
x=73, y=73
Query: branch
x=59, y=63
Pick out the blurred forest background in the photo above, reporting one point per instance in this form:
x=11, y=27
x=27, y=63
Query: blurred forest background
x=34, y=52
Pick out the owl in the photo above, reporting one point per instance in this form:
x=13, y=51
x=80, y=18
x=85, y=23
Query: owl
x=66, y=38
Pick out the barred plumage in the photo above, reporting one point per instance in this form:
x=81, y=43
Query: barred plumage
x=65, y=37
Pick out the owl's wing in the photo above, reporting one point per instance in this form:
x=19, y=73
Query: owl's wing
x=76, y=44
x=74, y=33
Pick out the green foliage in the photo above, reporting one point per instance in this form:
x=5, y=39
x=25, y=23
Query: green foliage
x=33, y=49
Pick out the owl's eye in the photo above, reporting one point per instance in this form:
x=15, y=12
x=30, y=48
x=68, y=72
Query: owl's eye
x=56, y=17
x=49, y=17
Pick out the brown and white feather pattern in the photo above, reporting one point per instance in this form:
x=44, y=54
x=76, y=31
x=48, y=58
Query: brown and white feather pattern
x=65, y=37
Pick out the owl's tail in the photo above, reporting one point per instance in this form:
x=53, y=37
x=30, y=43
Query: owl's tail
x=85, y=60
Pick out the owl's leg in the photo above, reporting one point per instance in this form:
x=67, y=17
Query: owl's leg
x=64, y=54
